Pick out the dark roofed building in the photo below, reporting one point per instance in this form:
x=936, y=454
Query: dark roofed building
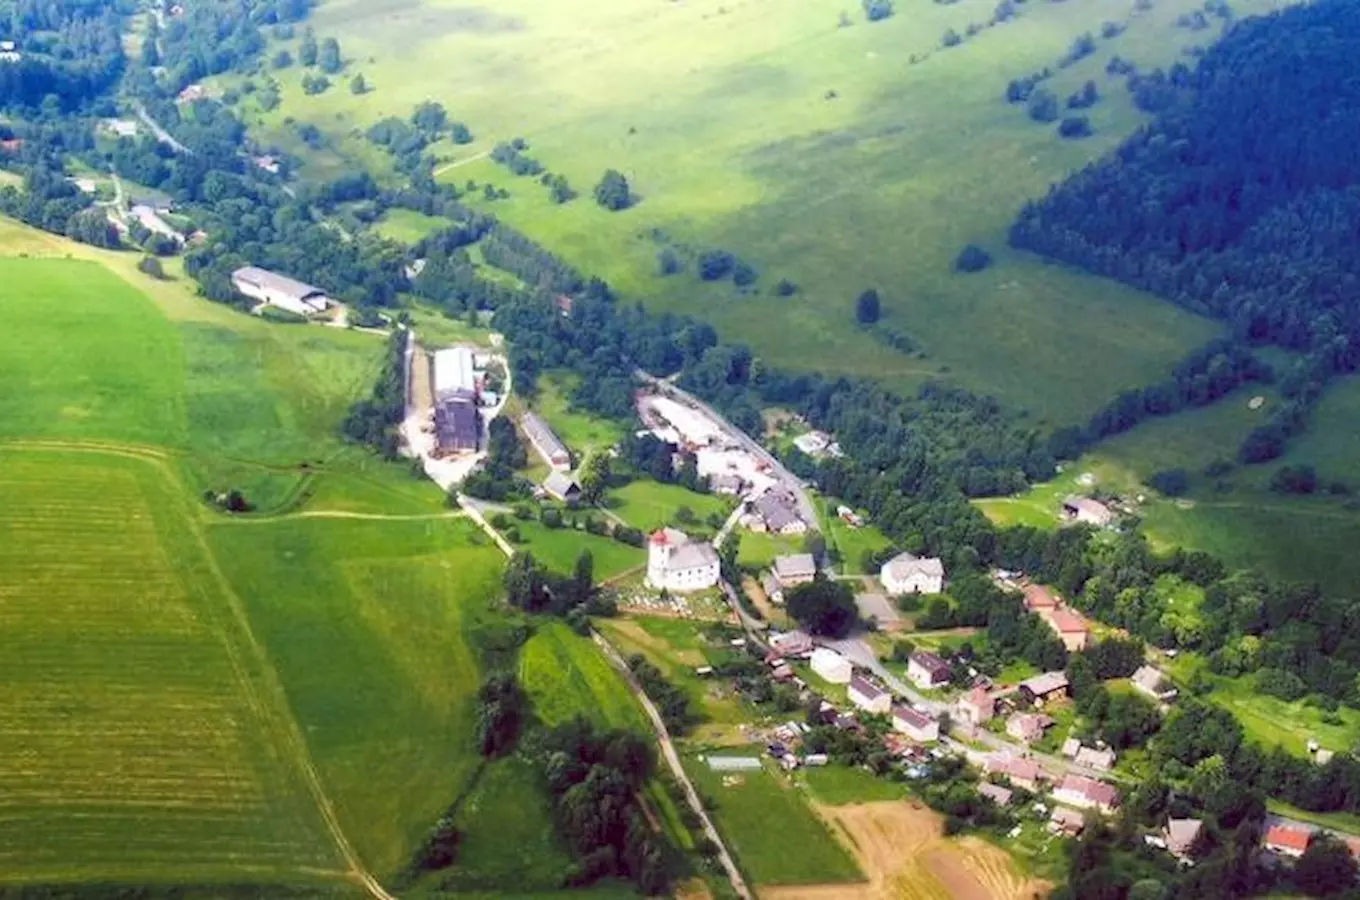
x=548, y=445
x=457, y=424
x=776, y=511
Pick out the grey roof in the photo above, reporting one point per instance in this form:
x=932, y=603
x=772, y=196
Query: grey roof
x=930, y=662
x=693, y=555
x=1181, y=833
x=734, y=763
x=778, y=508
x=796, y=565
x=912, y=717
x=560, y=484
x=904, y=565
x=996, y=793
x=298, y=290
x=541, y=436
x=863, y=686
x=456, y=423
x=1046, y=683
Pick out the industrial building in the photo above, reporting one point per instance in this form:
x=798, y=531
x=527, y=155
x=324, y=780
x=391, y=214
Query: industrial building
x=454, y=371
x=280, y=290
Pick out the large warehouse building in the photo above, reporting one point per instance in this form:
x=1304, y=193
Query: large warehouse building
x=280, y=290
x=454, y=371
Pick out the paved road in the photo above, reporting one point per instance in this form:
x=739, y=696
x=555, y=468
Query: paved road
x=672, y=758
x=161, y=134
x=806, y=510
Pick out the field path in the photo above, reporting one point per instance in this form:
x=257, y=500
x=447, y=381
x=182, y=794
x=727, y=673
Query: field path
x=342, y=514
x=460, y=162
x=255, y=673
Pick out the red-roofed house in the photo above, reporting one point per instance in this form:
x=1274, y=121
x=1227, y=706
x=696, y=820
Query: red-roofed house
x=1023, y=773
x=1070, y=627
x=975, y=707
x=1039, y=597
x=1087, y=793
x=1288, y=840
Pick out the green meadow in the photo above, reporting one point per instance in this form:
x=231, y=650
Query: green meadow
x=808, y=149
x=648, y=505
x=566, y=676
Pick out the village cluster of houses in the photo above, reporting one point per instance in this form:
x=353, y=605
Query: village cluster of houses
x=728, y=462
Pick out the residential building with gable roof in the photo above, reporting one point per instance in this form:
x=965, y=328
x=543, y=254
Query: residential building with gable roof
x=907, y=573
x=676, y=563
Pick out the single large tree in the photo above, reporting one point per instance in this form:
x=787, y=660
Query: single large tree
x=613, y=192
x=330, y=60
x=1326, y=868
x=868, y=307
x=307, y=50
x=823, y=606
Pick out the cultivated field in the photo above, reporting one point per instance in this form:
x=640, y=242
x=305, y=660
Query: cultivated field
x=902, y=849
x=810, y=147
x=144, y=738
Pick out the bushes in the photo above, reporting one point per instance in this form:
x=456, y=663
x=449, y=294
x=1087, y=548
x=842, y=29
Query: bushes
x=1074, y=128
x=1171, y=482
x=972, y=258
x=613, y=192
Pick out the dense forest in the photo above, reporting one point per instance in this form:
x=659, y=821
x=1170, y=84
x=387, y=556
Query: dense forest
x=1239, y=201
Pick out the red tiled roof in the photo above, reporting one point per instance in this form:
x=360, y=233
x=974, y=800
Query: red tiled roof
x=1038, y=596
x=1288, y=837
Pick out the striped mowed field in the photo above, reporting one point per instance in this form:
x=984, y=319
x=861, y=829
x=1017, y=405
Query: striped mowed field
x=143, y=737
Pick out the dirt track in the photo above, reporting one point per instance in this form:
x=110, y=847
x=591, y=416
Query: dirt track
x=903, y=852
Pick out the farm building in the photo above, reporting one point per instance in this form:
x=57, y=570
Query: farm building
x=454, y=371
x=1039, y=598
x=868, y=696
x=1045, y=688
x=1093, y=758
x=561, y=486
x=926, y=670
x=734, y=763
x=280, y=290
x=1288, y=840
x=726, y=483
x=545, y=442
x=1153, y=682
x=795, y=569
x=1066, y=822
x=791, y=643
x=1088, y=511
x=914, y=724
x=457, y=425
x=907, y=573
x=676, y=563
x=975, y=707
x=831, y=665
x=772, y=588
x=1086, y=793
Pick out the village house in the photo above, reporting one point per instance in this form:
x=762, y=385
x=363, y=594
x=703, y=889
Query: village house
x=1049, y=687
x=914, y=724
x=1022, y=773
x=1087, y=511
x=676, y=563
x=1290, y=841
x=926, y=670
x=1070, y=627
x=561, y=486
x=1066, y=822
x=975, y=707
x=773, y=590
x=1091, y=758
x=1180, y=836
x=795, y=569
x=1039, y=598
x=849, y=516
x=831, y=666
x=775, y=512
x=907, y=573
x=868, y=696
x=1086, y=793
x=726, y=483
x=794, y=643
x=457, y=425
x=545, y=442
x=1028, y=727
x=1152, y=682
x=996, y=793
x=279, y=290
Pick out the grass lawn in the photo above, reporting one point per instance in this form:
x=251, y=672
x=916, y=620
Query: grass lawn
x=367, y=622
x=408, y=226
x=1270, y=721
x=649, y=505
x=558, y=548
x=438, y=330
x=758, y=549
x=839, y=785
x=852, y=543
x=566, y=675
x=768, y=824
x=145, y=739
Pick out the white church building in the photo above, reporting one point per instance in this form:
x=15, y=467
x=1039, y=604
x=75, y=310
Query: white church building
x=676, y=563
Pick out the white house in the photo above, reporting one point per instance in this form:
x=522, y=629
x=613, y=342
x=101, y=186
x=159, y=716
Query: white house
x=910, y=574
x=916, y=725
x=675, y=563
x=831, y=665
x=926, y=670
x=279, y=290
x=868, y=696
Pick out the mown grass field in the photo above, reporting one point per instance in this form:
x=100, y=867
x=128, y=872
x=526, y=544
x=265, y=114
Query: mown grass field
x=839, y=785
x=767, y=822
x=368, y=623
x=408, y=226
x=144, y=739
x=580, y=431
x=649, y=505
x=558, y=549
x=806, y=148
x=566, y=675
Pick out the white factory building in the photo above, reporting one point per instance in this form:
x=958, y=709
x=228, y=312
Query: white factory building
x=454, y=371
